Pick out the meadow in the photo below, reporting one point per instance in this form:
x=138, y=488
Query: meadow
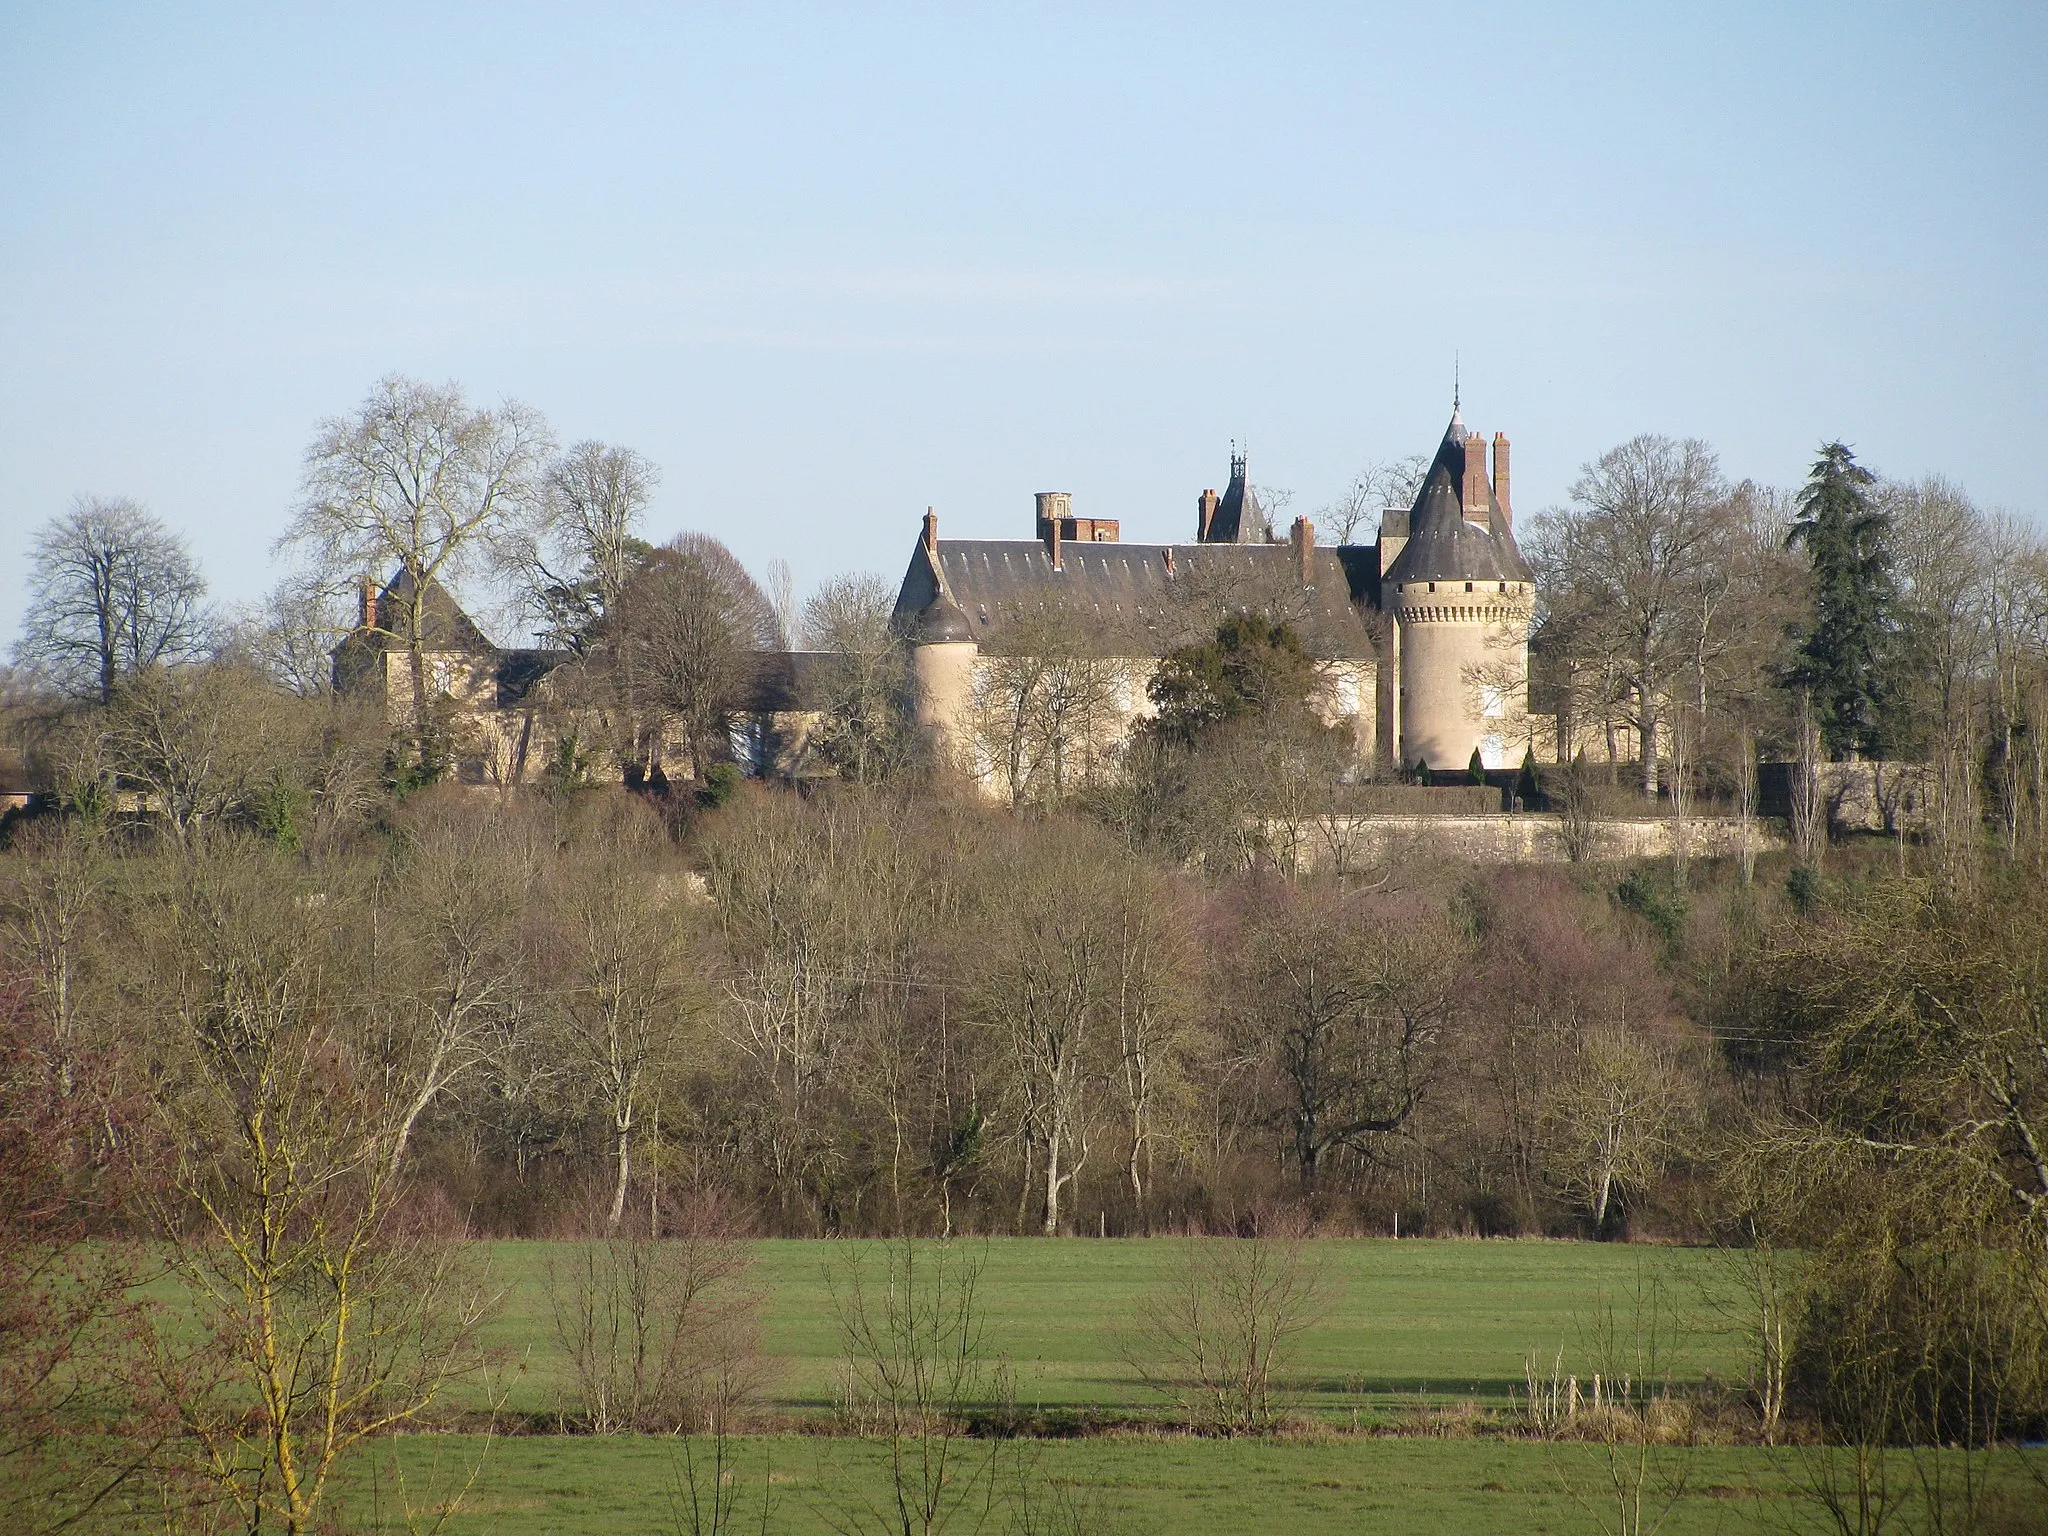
x=634, y=1485
x=1406, y=1321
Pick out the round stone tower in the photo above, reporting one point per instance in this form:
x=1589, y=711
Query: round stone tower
x=1459, y=595
x=942, y=656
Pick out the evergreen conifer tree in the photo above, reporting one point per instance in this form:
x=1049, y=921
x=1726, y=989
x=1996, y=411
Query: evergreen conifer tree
x=1845, y=654
x=1476, y=769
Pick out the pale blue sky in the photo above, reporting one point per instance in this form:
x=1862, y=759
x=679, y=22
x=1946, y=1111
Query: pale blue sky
x=828, y=265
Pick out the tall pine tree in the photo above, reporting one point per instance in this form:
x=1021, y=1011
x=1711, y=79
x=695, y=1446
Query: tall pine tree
x=1845, y=655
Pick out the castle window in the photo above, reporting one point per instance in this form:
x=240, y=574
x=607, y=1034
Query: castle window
x=1432, y=586
x=1468, y=586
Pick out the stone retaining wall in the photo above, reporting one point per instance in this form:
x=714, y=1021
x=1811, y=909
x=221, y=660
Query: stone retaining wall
x=1361, y=842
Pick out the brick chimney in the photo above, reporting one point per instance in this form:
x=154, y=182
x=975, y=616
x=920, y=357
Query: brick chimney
x=931, y=533
x=1055, y=508
x=1205, y=514
x=1475, y=478
x=1303, y=537
x=366, y=603
x=1500, y=476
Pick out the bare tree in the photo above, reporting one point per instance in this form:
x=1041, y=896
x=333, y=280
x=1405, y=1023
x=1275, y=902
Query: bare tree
x=782, y=598
x=1345, y=999
x=418, y=481
x=290, y=636
x=579, y=543
x=1049, y=705
x=1610, y=1117
x=828, y=905
x=112, y=592
x=1630, y=1480
x=917, y=1361
x=1809, y=797
x=215, y=745
x=1381, y=485
x=449, y=922
x=77, y=1451
x=1218, y=1332
x=687, y=637
x=1046, y=986
x=617, y=969
x=1649, y=529
x=320, y=1317
x=658, y=1322
x=865, y=733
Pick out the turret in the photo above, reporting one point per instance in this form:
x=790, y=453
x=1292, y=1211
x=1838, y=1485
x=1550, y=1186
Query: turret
x=943, y=652
x=1459, y=593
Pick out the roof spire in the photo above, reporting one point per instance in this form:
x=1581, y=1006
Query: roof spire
x=1456, y=430
x=1456, y=382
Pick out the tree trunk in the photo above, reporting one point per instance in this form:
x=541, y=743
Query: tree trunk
x=1647, y=734
x=1053, y=1181
x=625, y=1146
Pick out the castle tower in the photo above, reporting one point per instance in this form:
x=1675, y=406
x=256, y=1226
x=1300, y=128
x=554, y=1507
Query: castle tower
x=943, y=652
x=1458, y=594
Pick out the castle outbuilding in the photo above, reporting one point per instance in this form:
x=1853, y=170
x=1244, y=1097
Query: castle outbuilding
x=1421, y=636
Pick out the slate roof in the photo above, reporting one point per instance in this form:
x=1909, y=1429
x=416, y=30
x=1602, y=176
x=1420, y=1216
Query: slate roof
x=1239, y=518
x=1131, y=587
x=1443, y=544
x=444, y=626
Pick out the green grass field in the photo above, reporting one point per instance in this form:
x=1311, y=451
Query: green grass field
x=1408, y=1322
x=1407, y=1319
x=627, y=1485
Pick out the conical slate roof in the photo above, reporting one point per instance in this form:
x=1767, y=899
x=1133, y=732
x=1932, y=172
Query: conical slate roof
x=940, y=622
x=1443, y=544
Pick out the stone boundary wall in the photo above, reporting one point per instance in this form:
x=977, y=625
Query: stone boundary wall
x=1360, y=842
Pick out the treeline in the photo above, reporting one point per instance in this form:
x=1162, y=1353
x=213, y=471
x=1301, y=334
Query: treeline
x=1712, y=622
x=296, y=1072
x=859, y=1011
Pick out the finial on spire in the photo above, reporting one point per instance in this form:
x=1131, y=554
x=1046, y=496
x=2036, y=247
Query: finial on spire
x=1456, y=383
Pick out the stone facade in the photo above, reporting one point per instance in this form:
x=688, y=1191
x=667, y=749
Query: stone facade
x=1421, y=636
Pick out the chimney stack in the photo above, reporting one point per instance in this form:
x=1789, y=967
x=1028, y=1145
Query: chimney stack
x=1055, y=508
x=1500, y=476
x=1303, y=537
x=1475, y=478
x=931, y=532
x=366, y=607
x=1205, y=514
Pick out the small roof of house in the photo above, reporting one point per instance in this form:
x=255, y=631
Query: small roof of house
x=444, y=626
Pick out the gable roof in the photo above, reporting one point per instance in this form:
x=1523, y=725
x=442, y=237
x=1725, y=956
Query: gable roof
x=444, y=625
